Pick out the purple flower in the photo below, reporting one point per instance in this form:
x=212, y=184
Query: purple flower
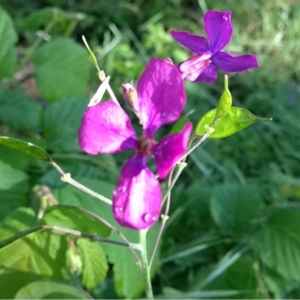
x=106, y=128
x=203, y=66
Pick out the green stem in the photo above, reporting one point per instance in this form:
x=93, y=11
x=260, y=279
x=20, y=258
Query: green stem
x=145, y=264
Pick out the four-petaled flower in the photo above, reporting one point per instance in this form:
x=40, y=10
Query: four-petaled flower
x=106, y=128
x=203, y=66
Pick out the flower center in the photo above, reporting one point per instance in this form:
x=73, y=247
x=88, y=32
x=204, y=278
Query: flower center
x=193, y=67
x=145, y=145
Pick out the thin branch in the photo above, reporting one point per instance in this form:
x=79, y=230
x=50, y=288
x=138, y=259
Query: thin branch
x=91, y=237
x=66, y=177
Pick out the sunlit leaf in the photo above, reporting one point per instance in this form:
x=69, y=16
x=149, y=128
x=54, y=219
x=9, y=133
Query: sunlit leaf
x=25, y=147
x=235, y=120
x=225, y=101
x=51, y=290
x=94, y=263
x=76, y=218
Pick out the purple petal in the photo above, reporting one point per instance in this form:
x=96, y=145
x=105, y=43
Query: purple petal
x=218, y=29
x=170, y=149
x=106, y=128
x=196, y=43
x=235, y=63
x=137, y=197
x=161, y=95
x=208, y=75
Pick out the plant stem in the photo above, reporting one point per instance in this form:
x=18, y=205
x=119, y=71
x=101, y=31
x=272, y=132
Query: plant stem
x=91, y=237
x=145, y=264
x=66, y=177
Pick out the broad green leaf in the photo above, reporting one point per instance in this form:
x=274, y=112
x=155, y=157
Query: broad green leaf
x=94, y=263
x=61, y=69
x=60, y=124
x=51, y=290
x=76, y=218
x=25, y=147
x=43, y=17
x=10, y=176
x=235, y=120
x=235, y=207
x=14, y=188
x=41, y=253
x=128, y=278
x=278, y=243
x=19, y=111
x=8, y=38
x=225, y=101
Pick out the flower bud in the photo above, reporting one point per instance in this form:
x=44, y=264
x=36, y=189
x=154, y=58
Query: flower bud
x=130, y=96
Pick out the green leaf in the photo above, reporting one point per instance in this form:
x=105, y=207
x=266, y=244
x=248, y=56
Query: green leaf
x=8, y=38
x=42, y=17
x=51, y=290
x=278, y=243
x=94, y=262
x=127, y=276
x=76, y=218
x=235, y=120
x=19, y=111
x=41, y=253
x=224, y=102
x=14, y=188
x=178, y=126
x=25, y=147
x=235, y=207
x=61, y=69
x=60, y=124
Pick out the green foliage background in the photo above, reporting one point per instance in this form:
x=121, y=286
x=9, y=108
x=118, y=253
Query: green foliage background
x=234, y=227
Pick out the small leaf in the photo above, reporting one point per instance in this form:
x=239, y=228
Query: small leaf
x=62, y=69
x=94, y=261
x=178, y=126
x=8, y=38
x=51, y=290
x=224, y=102
x=76, y=218
x=19, y=111
x=235, y=120
x=25, y=147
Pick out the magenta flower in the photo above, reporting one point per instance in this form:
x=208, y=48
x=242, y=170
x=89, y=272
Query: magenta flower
x=106, y=128
x=203, y=66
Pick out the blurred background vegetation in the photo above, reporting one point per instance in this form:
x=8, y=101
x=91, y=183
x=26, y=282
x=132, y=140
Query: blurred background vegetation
x=234, y=227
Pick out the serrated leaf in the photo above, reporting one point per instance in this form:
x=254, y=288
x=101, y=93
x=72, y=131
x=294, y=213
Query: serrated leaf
x=235, y=207
x=278, y=243
x=8, y=38
x=51, y=290
x=25, y=147
x=76, y=218
x=19, y=111
x=60, y=124
x=61, y=69
x=235, y=120
x=94, y=261
x=14, y=187
x=41, y=253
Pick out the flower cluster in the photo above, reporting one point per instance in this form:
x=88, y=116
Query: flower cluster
x=158, y=100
